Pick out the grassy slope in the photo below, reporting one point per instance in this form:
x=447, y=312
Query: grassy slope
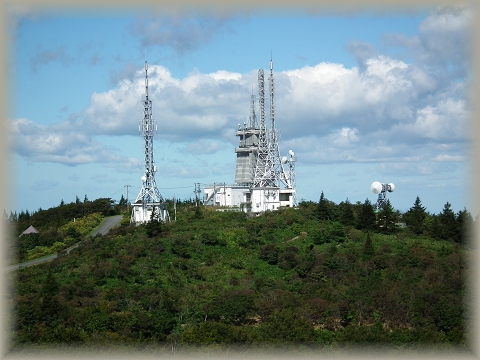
x=205, y=281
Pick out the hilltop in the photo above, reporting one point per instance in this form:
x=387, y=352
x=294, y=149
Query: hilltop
x=323, y=275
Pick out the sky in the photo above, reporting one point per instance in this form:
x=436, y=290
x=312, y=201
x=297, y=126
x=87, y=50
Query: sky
x=360, y=96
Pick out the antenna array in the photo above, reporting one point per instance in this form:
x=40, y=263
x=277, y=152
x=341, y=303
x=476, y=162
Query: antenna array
x=264, y=172
x=149, y=198
x=280, y=175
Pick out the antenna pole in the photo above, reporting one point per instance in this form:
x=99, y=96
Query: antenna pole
x=274, y=149
x=264, y=172
x=149, y=200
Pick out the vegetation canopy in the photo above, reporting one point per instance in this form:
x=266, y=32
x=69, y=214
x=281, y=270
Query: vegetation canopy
x=322, y=276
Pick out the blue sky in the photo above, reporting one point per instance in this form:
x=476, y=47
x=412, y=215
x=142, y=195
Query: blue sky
x=360, y=97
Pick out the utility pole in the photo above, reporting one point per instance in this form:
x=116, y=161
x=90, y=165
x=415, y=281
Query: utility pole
x=127, y=186
x=197, y=192
x=175, y=206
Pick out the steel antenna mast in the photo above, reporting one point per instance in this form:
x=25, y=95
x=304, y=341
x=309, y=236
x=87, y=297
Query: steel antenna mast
x=278, y=169
x=264, y=172
x=253, y=117
x=149, y=198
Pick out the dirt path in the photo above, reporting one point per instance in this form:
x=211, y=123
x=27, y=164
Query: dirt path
x=103, y=229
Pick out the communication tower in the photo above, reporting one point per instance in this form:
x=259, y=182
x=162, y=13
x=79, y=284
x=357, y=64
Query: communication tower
x=381, y=190
x=248, y=148
x=265, y=190
x=149, y=201
x=291, y=160
x=274, y=149
x=264, y=171
x=260, y=170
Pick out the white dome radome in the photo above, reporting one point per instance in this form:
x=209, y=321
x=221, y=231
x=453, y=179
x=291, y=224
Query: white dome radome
x=376, y=187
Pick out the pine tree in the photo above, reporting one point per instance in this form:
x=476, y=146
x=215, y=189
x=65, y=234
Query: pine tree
x=415, y=217
x=368, y=246
x=387, y=218
x=322, y=212
x=347, y=217
x=49, y=302
x=464, y=224
x=448, y=224
x=155, y=226
x=123, y=201
x=366, y=219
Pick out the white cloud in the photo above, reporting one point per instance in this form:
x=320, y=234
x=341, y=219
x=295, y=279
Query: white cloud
x=385, y=110
x=444, y=121
x=56, y=143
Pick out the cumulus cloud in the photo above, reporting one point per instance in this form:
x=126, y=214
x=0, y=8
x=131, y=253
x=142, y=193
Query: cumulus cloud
x=57, y=144
x=443, y=42
x=199, y=105
x=412, y=114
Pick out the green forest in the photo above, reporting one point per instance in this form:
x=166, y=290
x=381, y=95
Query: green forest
x=320, y=277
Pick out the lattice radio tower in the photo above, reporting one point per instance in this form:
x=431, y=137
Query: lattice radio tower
x=253, y=123
x=274, y=149
x=149, y=199
x=264, y=171
x=381, y=190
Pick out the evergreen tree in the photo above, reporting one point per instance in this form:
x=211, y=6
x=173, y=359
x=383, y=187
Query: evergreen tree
x=387, y=218
x=322, y=212
x=368, y=246
x=13, y=217
x=123, y=201
x=366, y=219
x=49, y=302
x=432, y=226
x=347, y=217
x=155, y=226
x=85, y=199
x=448, y=224
x=198, y=212
x=415, y=217
x=464, y=224
x=77, y=200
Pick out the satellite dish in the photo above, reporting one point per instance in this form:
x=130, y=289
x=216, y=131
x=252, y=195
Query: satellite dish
x=144, y=178
x=391, y=187
x=376, y=187
x=284, y=160
x=291, y=153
